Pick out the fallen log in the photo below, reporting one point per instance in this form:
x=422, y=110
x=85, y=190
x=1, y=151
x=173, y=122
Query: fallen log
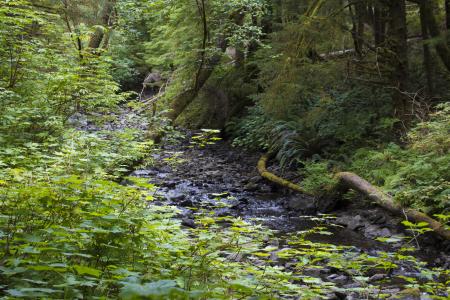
x=262, y=169
x=353, y=181
x=348, y=180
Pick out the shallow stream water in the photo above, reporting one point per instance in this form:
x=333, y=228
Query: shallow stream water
x=223, y=179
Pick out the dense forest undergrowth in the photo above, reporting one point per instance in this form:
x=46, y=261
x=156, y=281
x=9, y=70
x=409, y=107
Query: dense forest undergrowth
x=92, y=92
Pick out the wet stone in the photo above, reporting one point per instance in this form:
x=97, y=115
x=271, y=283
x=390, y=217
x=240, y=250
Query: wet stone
x=186, y=203
x=338, y=279
x=352, y=222
x=373, y=231
x=353, y=285
x=377, y=219
x=302, y=203
x=175, y=196
x=251, y=187
x=188, y=223
x=377, y=277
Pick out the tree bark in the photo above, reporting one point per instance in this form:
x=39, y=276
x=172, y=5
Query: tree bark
x=180, y=102
x=398, y=46
x=347, y=180
x=206, y=66
x=358, y=28
x=379, y=25
x=97, y=37
x=447, y=14
x=442, y=49
x=353, y=181
x=262, y=169
x=427, y=57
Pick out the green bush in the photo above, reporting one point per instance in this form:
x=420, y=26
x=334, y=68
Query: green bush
x=418, y=175
x=252, y=131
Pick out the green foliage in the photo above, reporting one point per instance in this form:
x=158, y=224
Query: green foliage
x=318, y=178
x=418, y=175
x=69, y=230
x=42, y=78
x=205, y=137
x=251, y=132
x=127, y=47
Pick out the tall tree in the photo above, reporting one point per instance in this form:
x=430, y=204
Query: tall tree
x=427, y=56
x=101, y=33
x=398, y=47
x=428, y=8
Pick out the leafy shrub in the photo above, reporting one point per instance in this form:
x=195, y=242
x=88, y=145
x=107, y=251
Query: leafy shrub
x=252, y=131
x=317, y=176
x=418, y=175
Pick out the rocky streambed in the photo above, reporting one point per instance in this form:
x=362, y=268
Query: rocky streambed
x=224, y=181
x=193, y=178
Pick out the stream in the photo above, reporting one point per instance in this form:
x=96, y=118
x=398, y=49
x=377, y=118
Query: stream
x=224, y=180
x=193, y=178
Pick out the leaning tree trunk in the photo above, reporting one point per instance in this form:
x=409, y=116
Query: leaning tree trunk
x=352, y=181
x=181, y=101
x=206, y=66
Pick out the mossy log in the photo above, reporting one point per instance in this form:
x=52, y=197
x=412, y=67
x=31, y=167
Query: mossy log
x=353, y=181
x=348, y=180
x=262, y=169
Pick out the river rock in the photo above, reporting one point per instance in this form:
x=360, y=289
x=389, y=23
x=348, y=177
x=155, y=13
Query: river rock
x=338, y=279
x=188, y=223
x=373, y=232
x=251, y=187
x=175, y=196
x=303, y=204
x=264, y=188
x=142, y=173
x=353, y=285
x=326, y=204
x=186, y=203
x=377, y=277
x=377, y=218
x=352, y=223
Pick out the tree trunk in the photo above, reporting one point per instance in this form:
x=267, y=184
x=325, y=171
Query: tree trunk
x=358, y=27
x=180, y=102
x=427, y=57
x=379, y=26
x=262, y=169
x=398, y=46
x=360, y=16
x=353, y=181
x=97, y=37
x=427, y=7
x=206, y=67
x=447, y=14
